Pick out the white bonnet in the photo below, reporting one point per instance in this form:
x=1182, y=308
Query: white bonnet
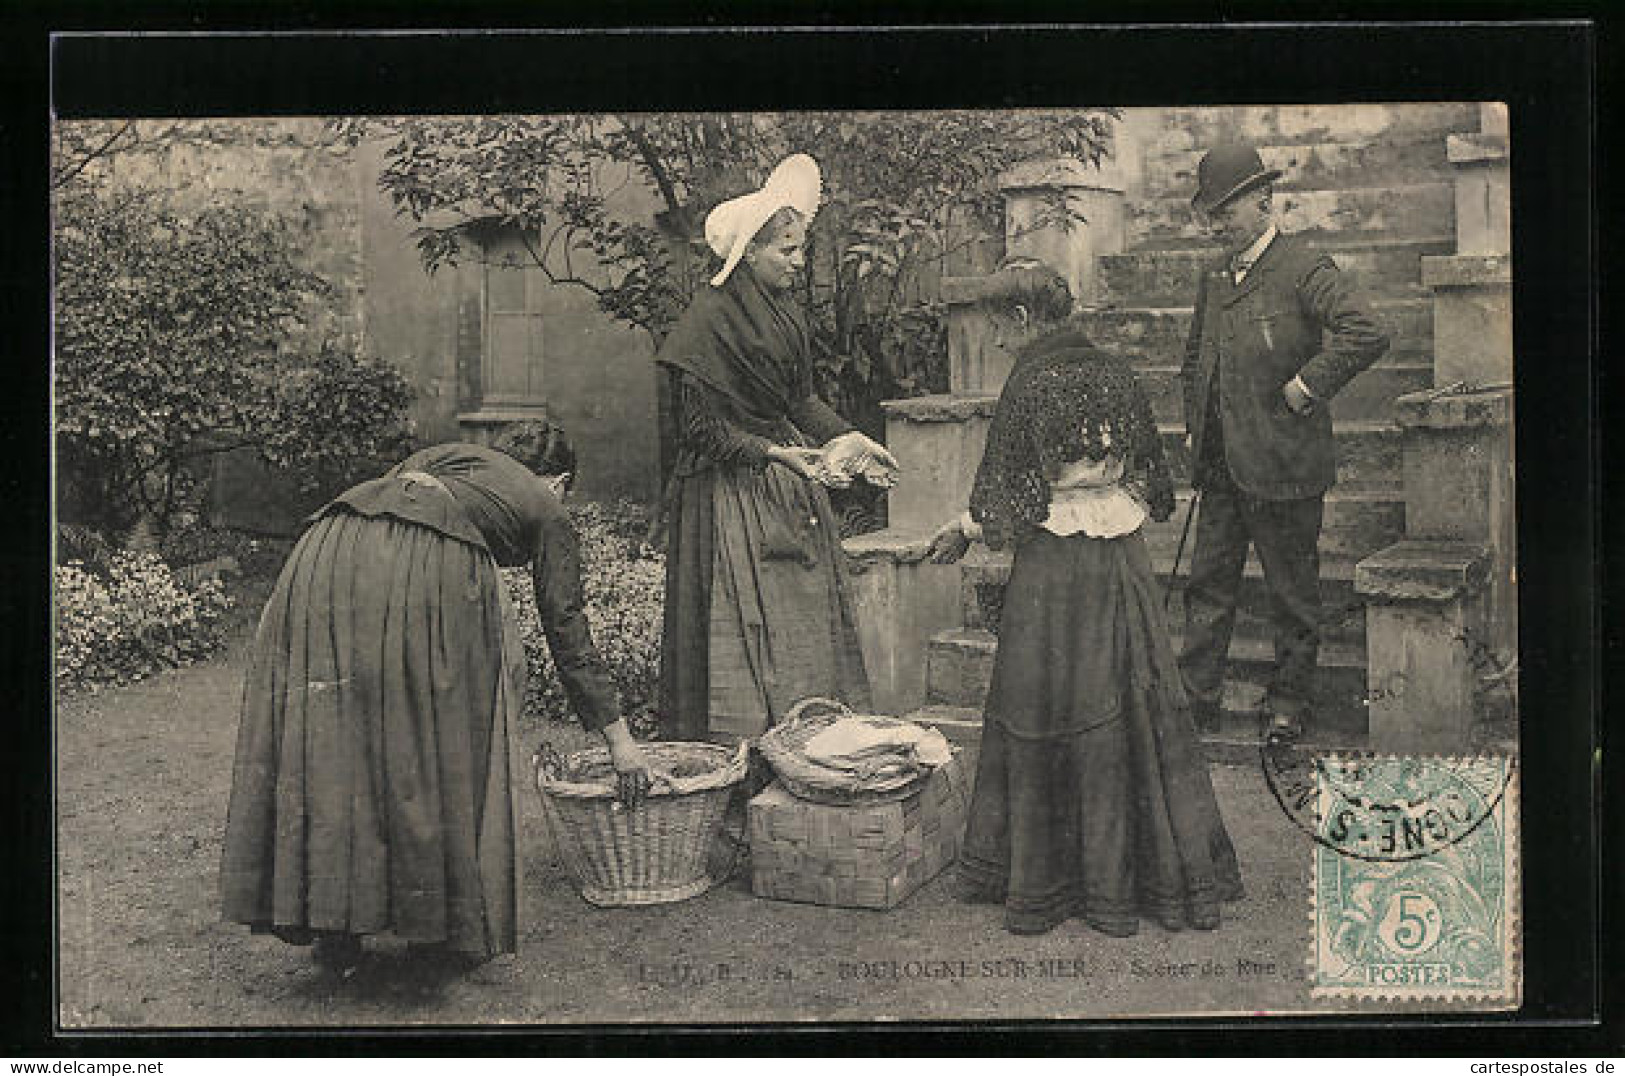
x=731, y=226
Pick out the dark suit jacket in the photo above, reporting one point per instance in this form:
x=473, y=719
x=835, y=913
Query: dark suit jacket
x=1294, y=315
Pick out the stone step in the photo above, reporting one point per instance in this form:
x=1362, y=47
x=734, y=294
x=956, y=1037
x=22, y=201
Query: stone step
x=962, y=725
x=1368, y=454
x=1342, y=624
x=1357, y=523
x=1405, y=157
x=981, y=592
x=939, y=441
x=1197, y=128
x=1238, y=739
x=1401, y=211
x=1236, y=742
x=959, y=668
x=1369, y=396
x=984, y=573
x=1166, y=275
x=1158, y=333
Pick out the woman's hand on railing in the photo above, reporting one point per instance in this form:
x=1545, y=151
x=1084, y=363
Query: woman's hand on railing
x=950, y=542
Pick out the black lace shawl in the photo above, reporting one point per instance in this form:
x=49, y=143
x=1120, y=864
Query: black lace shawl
x=1064, y=401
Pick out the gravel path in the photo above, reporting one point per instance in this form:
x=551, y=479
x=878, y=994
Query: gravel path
x=143, y=774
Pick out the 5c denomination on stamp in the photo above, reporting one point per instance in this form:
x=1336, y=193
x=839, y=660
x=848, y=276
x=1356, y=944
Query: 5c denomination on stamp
x=1415, y=890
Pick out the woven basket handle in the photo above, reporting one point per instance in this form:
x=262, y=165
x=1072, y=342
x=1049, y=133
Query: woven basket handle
x=795, y=712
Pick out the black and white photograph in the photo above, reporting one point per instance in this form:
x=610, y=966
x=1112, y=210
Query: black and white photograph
x=786, y=566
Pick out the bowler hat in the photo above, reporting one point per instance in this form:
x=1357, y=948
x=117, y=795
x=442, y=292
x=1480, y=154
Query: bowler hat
x=1228, y=172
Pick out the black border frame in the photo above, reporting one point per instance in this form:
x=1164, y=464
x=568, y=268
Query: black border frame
x=1545, y=69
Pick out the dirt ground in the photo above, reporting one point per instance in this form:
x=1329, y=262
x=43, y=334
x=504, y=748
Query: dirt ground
x=143, y=774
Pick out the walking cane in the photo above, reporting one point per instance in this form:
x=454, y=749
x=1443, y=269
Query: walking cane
x=1179, y=550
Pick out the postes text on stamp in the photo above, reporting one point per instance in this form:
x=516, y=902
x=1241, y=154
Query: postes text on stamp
x=1415, y=888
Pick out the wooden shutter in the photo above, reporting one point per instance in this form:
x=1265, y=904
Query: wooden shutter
x=514, y=358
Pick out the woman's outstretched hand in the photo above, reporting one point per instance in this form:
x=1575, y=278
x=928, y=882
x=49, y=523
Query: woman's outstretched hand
x=631, y=765
x=880, y=452
x=855, y=455
x=803, y=461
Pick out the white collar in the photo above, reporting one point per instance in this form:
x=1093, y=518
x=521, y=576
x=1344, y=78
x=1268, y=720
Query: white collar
x=1251, y=255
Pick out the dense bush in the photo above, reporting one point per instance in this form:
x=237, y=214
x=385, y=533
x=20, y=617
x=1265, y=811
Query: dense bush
x=184, y=333
x=130, y=617
x=329, y=419
x=625, y=589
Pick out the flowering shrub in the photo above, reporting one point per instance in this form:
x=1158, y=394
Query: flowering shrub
x=130, y=619
x=624, y=585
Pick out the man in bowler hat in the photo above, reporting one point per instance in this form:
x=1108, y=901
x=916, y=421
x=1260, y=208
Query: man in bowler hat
x=1278, y=331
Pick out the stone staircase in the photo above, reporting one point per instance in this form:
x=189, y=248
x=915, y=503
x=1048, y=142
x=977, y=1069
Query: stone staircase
x=1371, y=186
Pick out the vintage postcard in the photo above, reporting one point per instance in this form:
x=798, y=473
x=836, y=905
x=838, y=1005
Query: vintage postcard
x=785, y=567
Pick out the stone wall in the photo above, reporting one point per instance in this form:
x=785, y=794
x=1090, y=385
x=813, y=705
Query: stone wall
x=291, y=167
x=429, y=326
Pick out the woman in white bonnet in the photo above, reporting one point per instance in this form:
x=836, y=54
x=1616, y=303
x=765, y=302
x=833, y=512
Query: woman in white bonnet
x=758, y=612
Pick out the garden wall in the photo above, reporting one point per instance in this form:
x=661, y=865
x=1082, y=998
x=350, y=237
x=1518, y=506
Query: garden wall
x=601, y=388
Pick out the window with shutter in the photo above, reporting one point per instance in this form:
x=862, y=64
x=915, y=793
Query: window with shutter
x=513, y=361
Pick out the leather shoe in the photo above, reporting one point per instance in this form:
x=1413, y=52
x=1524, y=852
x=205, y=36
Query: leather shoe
x=1208, y=717
x=1281, y=728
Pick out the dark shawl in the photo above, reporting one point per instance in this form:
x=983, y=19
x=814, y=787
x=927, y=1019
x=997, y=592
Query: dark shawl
x=1064, y=401
x=748, y=344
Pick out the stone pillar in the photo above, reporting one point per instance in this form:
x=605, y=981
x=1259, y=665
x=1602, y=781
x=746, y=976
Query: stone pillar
x=1035, y=226
x=938, y=442
x=1472, y=307
x=1472, y=319
x=1424, y=607
x=1463, y=439
x=1460, y=488
x=1441, y=612
x=900, y=604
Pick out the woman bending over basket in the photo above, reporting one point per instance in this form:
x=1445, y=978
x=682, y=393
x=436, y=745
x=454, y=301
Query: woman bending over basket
x=1092, y=799
x=371, y=792
x=758, y=613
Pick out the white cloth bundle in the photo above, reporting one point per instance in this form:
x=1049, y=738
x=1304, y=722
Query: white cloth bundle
x=861, y=744
x=852, y=455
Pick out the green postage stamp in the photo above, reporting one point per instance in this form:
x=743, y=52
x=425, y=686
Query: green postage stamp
x=1416, y=879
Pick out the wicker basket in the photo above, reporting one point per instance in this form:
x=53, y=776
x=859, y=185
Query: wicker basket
x=656, y=853
x=783, y=747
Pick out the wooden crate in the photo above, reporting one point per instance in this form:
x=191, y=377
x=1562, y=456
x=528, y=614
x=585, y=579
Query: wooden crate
x=870, y=856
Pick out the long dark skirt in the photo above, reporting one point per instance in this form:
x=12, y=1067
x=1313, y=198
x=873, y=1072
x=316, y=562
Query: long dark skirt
x=372, y=790
x=1092, y=799
x=759, y=613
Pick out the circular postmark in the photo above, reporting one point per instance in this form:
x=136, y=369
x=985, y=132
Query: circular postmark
x=1385, y=808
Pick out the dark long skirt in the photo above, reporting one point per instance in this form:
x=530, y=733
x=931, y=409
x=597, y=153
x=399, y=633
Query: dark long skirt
x=1092, y=798
x=759, y=613
x=372, y=790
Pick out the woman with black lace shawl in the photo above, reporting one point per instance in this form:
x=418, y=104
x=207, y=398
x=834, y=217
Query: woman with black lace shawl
x=1092, y=798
